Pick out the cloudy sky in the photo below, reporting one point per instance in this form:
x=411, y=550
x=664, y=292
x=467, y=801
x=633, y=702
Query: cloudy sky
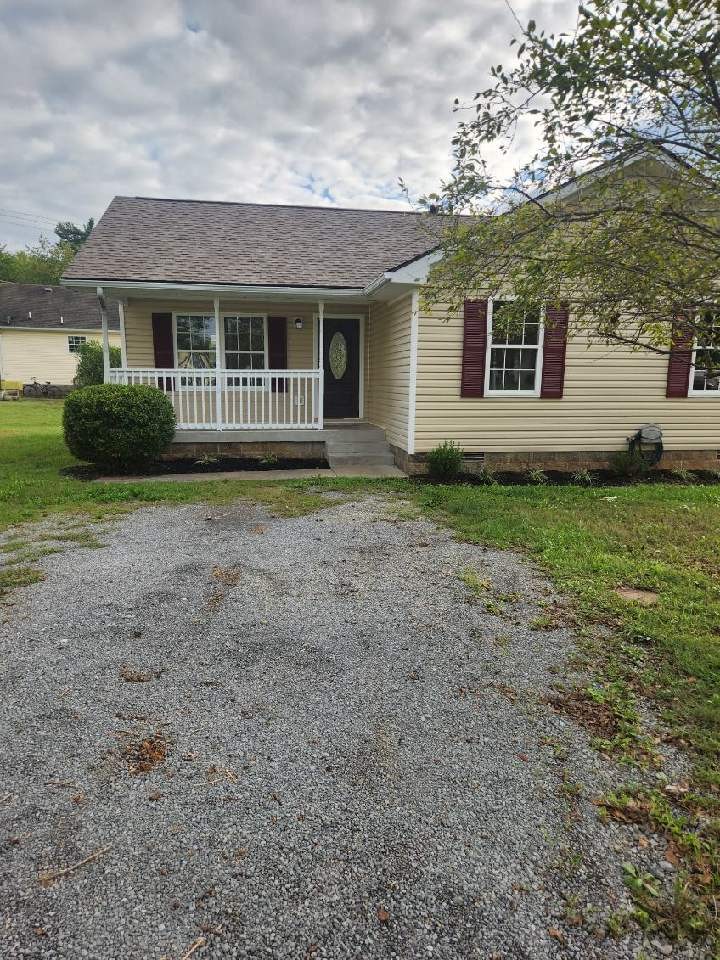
x=289, y=101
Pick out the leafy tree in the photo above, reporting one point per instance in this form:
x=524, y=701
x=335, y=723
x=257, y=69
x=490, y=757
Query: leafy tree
x=44, y=262
x=90, y=363
x=73, y=235
x=634, y=93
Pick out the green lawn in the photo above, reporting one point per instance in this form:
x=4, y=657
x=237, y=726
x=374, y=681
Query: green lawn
x=663, y=538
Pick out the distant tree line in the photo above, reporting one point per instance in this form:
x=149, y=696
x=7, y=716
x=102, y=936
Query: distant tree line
x=44, y=261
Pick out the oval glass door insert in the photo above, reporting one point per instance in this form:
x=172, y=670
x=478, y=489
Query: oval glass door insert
x=338, y=355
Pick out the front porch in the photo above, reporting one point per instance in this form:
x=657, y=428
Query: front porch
x=278, y=376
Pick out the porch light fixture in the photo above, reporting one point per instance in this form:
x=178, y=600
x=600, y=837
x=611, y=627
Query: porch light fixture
x=298, y=323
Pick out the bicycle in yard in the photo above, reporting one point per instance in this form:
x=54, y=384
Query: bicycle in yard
x=37, y=389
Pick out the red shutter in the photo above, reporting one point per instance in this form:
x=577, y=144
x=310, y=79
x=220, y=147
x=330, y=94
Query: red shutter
x=277, y=348
x=679, y=361
x=474, y=348
x=554, y=342
x=163, y=340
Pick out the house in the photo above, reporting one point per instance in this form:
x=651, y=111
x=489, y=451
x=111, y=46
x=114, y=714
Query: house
x=42, y=329
x=292, y=328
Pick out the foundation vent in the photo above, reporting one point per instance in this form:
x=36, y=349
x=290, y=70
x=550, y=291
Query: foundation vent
x=480, y=457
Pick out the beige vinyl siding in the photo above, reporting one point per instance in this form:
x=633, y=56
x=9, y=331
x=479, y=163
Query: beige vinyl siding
x=609, y=392
x=43, y=354
x=138, y=324
x=387, y=368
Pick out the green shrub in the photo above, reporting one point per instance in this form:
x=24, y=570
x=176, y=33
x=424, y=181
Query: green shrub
x=116, y=427
x=683, y=475
x=584, y=478
x=445, y=461
x=486, y=478
x=630, y=466
x=90, y=363
x=537, y=477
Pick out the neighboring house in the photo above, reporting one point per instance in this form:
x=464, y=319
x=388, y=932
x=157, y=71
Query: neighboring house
x=42, y=329
x=289, y=325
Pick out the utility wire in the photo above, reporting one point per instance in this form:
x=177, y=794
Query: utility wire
x=26, y=215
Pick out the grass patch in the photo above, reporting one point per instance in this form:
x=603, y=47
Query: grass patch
x=17, y=576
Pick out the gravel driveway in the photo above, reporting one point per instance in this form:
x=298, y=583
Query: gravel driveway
x=253, y=737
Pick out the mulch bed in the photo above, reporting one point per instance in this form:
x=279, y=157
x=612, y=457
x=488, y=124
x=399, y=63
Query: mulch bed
x=190, y=465
x=560, y=478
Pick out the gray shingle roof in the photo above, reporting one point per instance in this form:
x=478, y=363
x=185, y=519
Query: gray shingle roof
x=193, y=241
x=33, y=306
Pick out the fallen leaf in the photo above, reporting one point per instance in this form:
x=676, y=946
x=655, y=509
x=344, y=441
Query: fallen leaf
x=677, y=789
x=672, y=853
x=382, y=915
x=556, y=934
x=522, y=756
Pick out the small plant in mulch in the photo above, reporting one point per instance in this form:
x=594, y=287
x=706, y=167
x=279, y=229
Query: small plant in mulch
x=142, y=756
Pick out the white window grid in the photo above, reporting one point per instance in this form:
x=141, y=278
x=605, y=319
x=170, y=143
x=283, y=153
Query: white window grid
x=523, y=374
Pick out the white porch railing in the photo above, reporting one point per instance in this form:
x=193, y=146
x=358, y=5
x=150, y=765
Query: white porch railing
x=206, y=399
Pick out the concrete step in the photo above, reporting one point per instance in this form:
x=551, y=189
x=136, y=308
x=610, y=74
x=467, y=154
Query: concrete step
x=354, y=433
x=341, y=447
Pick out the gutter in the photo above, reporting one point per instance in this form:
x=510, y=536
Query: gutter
x=16, y=328
x=267, y=291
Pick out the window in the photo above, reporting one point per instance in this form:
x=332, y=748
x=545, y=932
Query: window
x=195, y=340
x=705, y=369
x=514, y=355
x=74, y=343
x=244, y=343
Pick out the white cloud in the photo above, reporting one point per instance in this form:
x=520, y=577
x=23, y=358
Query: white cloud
x=268, y=100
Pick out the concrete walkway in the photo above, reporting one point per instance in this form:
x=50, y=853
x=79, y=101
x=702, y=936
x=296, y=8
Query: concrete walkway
x=372, y=471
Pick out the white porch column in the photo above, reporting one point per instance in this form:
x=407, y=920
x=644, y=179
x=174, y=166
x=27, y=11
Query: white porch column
x=321, y=385
x=105, y=335
x=218, y=366
x=123, y=338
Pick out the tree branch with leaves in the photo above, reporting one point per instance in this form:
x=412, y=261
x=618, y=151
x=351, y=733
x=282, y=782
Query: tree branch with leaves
x=617, y=213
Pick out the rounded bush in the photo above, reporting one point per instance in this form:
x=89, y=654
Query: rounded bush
x=116, y=427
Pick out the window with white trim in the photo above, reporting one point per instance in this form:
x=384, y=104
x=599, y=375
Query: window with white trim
x=705, y=369
x=195, y=340
x=244, y=342
x=75, y=343
x=514, y=354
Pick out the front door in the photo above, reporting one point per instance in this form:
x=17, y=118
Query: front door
x=341, y=363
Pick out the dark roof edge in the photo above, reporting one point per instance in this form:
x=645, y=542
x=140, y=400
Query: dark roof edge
x=251, y=203
x=109, y=281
